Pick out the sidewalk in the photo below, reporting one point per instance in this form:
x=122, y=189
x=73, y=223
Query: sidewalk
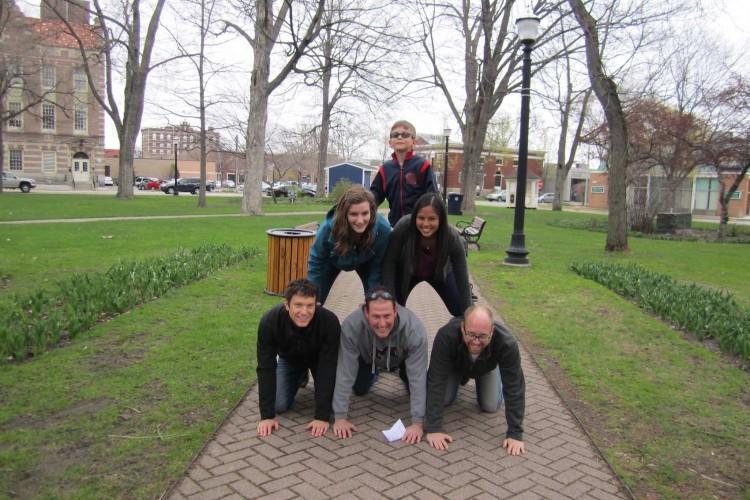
x=560, y=461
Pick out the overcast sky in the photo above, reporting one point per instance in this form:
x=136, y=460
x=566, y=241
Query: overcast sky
x=431, y=114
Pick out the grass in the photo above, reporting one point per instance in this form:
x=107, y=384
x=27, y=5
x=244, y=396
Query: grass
x=42, y=206
x=121, y=410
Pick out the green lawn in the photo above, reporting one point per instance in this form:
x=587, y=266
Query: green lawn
x=122, y=409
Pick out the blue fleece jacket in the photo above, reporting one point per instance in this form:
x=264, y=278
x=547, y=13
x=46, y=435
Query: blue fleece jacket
x=322, y=251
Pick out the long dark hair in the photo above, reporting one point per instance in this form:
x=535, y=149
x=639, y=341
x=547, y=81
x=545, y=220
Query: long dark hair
x=441, y=245
x=343, y=235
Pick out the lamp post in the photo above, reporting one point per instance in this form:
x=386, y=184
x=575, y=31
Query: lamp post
x=447, y=134
x=517, y=254
x=176, y=172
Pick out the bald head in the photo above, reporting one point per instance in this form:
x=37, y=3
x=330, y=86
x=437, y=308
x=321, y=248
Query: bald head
x=477, y=328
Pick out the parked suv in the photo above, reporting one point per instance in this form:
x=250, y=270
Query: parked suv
x=12, y=181
x=497, y=195
x=187, y=185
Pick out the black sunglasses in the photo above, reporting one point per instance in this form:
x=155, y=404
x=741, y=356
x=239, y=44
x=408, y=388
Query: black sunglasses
x=379, y=295
x=405, y=135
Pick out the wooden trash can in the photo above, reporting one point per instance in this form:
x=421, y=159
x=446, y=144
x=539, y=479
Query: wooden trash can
x=288, y=251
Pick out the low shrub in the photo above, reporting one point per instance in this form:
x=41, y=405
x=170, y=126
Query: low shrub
x=339, y=189
x=33, y=323
x=599, y=225
x=703, y=312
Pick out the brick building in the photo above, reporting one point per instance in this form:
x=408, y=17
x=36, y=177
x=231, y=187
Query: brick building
x=158, y=142
x=498, y=167
x=59, y=135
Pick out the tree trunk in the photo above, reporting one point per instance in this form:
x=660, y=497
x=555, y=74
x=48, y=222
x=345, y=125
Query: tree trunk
x=325, y=120
x=606, y=91
x=256, y=126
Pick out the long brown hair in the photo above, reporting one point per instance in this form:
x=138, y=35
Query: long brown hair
x=343, y=235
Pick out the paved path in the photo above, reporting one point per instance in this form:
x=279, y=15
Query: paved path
x=560, y=461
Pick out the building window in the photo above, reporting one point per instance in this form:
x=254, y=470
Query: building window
x=48, y=116
x=79, y=80
x=48, y=77
x=13, y=67
x=16, y=121
x=81, y=119
x=49, y=162
x=16, y=159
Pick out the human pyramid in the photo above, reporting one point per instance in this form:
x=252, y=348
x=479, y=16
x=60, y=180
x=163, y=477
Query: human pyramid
x=416, y=243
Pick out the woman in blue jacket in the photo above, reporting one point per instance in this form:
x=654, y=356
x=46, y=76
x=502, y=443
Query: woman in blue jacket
x=352, y=238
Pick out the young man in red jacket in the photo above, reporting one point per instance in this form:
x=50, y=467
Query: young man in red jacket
x=404, y=178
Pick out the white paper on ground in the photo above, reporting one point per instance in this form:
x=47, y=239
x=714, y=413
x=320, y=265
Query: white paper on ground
x=396, y=432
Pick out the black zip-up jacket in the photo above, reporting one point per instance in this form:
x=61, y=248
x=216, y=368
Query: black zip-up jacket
x=449, y=354
x=316, y=345
x=402, y=185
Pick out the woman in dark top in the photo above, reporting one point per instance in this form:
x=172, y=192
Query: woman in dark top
x=424, y=247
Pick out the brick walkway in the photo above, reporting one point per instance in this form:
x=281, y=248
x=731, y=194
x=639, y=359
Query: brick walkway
x=560, y=461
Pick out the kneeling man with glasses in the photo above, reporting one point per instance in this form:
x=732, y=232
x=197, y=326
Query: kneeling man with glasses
x=381, y=335
x=476, y=347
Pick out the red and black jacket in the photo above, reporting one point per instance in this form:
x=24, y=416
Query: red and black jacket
x=402, y=185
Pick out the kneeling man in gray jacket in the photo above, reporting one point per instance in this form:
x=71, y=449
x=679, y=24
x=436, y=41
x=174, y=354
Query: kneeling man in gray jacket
x=381, y=335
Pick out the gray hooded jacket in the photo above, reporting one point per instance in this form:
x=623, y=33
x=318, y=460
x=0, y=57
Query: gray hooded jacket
x=407, y=342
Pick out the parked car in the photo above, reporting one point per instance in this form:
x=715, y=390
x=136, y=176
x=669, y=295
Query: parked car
x=229, y=183
x=498, y=195
x=108, y=181
x=278, y=191
x=140, y=179
x=546, y=198
x=143, y=183
x=153, y=185
x=187, y=185
x=306, y=191
x=12, y=181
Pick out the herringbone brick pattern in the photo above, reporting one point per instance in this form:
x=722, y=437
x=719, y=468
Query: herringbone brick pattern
x=560, y=461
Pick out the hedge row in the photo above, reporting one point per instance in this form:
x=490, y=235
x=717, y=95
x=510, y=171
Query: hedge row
x=31, y=324
x=703, y=312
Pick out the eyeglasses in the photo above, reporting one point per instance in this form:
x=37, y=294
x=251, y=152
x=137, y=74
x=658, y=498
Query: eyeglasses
x=405, y=135
x=379, y=295
x=471, y=336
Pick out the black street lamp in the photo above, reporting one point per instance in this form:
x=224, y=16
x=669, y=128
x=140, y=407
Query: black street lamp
x=447, y=134
x=527, y=27
x=176, y=172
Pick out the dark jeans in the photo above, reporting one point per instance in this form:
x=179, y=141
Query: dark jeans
x=331, y=272
x=448, y=292
x=288, y=377
x=366, y=377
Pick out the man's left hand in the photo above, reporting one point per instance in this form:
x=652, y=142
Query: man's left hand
x=413, y=433
x=317, y=428
x=514, y=447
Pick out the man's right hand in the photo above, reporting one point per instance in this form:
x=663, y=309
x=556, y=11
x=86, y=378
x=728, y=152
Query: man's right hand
x=266, y=427
x=343, y=428
x=438, y=440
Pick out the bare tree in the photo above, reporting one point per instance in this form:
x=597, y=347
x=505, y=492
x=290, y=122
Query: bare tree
x=567, y=97
x=299, y=24
x=195, y=17
x=123, y=47
x=631, y=25
x=502, y=131
x=351, y=61
x=606, y=91
x=487, y=65
x=725, y=143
